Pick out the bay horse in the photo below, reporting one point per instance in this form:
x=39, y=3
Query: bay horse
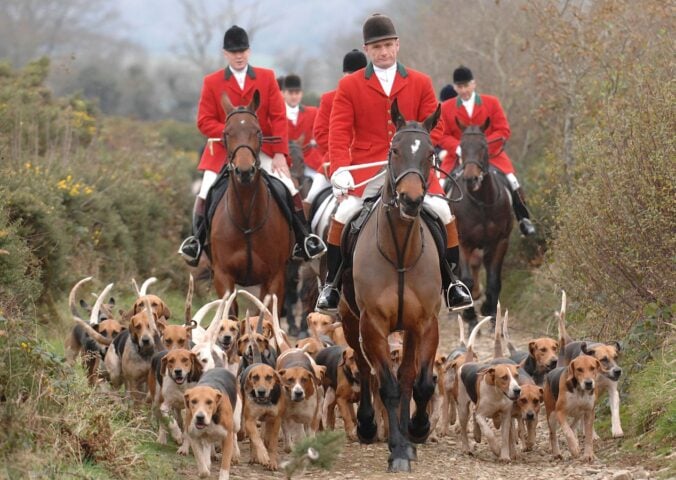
x=251, y=239
x=483, y=217
x=395, y=285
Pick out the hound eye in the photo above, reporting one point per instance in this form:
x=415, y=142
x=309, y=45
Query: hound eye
x=303, y=380
x=268, y=378
x=543, y=349
x=604, y=359
x=168, y=342
x=256, y=377
x=209, y=402
x=193, y=401
x=505, y=377
x=204, y=360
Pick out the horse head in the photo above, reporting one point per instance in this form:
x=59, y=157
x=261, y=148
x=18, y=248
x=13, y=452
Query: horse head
x=242, y=138
x=474, y=148
x=410, y=160
x=296, y=152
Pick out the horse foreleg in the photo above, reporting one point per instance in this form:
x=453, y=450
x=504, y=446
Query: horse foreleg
x=423, y=389
x=493, y=264
x=275, y=286
x=223, y=282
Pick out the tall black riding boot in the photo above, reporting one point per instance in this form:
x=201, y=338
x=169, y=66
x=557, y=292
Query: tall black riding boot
x=308, y=245
x=330, y=296
x=521, y=212
x=457, y=295
x=191, y=248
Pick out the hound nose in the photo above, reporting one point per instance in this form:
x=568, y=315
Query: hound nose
x=435, y=378
x=589, y=384
x=517, y=391
x=552, y=363
x=260, y=392
x=617, y=372
x=530, y=416
x=145, y=341
x=200, y=417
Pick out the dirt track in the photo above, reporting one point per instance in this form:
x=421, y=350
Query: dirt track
x=443, y=460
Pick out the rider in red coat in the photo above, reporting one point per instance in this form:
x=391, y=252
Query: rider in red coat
x=300, y=120
x=470, y=108
x=360, y=132
x=239, y=81
x=352, y=61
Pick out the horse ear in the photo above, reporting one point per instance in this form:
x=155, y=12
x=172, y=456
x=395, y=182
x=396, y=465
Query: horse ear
x=253, y=106
x=431, y=121
x=460, y=125
x=397, y=117
x=226, y=103
x=486, y=124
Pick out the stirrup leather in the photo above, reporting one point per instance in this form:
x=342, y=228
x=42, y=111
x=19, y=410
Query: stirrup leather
x=314, y=246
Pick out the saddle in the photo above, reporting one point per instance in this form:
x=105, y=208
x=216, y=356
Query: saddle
x=275, y=186
x=351, y=234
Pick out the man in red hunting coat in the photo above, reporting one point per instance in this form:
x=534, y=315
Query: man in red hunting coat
x=239, y=81
x=470, y=108
x=352, y=61
x=360, y=132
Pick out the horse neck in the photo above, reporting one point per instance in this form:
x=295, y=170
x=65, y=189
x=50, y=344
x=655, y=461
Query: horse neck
x=488, y=193
x=246, y=202
x=401, y=227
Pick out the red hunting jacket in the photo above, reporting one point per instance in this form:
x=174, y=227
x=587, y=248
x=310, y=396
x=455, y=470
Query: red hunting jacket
x=361, y=126
x=485, y=106
x=211, y=116
x=304, y=127
x=321, y=130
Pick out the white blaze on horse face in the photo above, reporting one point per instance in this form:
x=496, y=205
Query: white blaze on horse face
x=242, y=122
x=415, y=146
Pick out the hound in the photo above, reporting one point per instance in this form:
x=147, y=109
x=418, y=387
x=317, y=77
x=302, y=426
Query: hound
x=323, y=324
x=265, y=402
x=175, y=371
x=213, y=415
x=341, y=386
x=80, y=342
x=572, y=392
x=607, y=354
x=301, y=378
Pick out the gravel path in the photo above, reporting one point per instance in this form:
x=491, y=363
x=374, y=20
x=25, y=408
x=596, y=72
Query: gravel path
x=444, y=460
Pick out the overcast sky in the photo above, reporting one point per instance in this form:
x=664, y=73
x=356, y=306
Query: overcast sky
x=158, y=25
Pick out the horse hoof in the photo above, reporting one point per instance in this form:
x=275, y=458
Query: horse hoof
x=419, y=433
x=367, y=432
x=412, y=453
x=399, y=465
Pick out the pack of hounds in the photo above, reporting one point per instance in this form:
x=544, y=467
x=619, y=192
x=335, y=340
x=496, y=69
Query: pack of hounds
x=204, y=385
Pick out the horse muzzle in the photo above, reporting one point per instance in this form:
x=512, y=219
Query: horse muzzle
x=409, y=208
x=246, y=176
x=473, y=183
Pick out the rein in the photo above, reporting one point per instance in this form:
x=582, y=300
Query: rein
x=399, y=266
x=484, y=166
x=246, y=229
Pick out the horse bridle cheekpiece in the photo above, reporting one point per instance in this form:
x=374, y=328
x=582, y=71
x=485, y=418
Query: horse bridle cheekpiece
x=395, y=179
x=259, y=138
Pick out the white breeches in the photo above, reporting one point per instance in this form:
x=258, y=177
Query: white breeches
x=266, y=164
x=513, y=182
x=319, y=183
x=351, y=205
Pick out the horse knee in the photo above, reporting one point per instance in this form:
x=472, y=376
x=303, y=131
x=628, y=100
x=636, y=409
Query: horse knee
x=424, y=388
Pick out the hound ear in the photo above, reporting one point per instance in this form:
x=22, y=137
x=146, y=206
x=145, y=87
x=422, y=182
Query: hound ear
x=319, y=371
x=96, y=327
x=486, y=124
x=571, y=381
x=253, y=106
x=282, y=372
x=196, y=369
x=161, y=323
x=556, y=346
x=460, y=125
x=531, y=347
x=227, y=105
x=163, y=366
x=218, y=398
x=243, y=340
x=490, y=376
x=397, y=118
x=542, y=394
x=166, y=313
x=443, y=359
x=617, y=345
x=586, y=350
x=186, y=397
x=343, y=358
x=276, y=390
x=431, y=121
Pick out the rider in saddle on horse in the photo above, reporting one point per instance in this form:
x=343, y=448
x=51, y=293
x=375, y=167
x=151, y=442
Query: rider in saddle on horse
x=352, y=61
x=360, y=132
x=301, y=120
x=470, y=108
x=239, y=81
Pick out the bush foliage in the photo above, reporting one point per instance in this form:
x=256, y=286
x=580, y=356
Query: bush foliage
x=82, y=194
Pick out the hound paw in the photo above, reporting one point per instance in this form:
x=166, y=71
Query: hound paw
x=618, y=433
x=184, y=449
x=587, y=458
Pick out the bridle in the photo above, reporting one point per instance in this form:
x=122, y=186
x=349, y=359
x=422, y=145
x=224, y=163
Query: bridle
x=259, y=137
x=396, y=178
